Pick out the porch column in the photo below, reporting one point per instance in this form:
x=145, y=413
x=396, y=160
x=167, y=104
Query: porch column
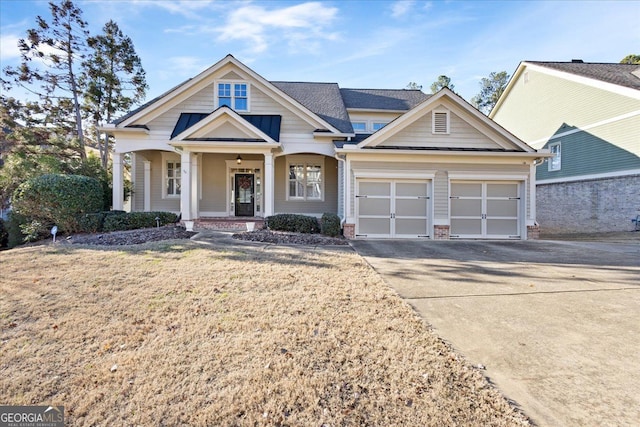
x=147, y=185
x=118, y=182
x=268, y=184
x=186, y=185
x=195, y=190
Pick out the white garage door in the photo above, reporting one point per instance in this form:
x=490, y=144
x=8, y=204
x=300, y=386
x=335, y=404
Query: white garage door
x=485, y=210
x=392, y=208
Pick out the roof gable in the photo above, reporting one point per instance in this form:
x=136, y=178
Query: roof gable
x=215, y=126
x=494, y=137
x=227, y=65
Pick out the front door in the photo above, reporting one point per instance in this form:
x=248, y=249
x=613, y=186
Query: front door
x=244, y=192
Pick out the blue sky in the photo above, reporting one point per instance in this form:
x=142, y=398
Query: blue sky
x=358, y=44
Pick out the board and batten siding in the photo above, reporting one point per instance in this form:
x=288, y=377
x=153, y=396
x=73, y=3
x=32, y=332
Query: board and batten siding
x=441, y=181
x=419, y=134
x=554, y=101
x=330, y=203
x=214, y=181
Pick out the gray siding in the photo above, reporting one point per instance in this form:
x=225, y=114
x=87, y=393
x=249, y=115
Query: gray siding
x=330, y=203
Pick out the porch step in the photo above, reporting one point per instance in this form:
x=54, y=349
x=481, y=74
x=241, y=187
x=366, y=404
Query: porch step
x=227, y=224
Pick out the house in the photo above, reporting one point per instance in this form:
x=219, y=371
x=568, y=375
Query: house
x=391, y=163
x=588, y=116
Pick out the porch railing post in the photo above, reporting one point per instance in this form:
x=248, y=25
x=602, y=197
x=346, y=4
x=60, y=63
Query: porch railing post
x=268, y=184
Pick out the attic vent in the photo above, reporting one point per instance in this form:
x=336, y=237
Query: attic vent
x=440, y=122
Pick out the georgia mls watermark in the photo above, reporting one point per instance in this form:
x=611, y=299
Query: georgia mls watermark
x=31, y=416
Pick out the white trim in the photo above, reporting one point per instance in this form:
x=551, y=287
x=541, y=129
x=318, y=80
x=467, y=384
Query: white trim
x=233, y=83
x=246, y=164
x=393, y=174
x=170, y=157
x=590, y=177
x=313, y=160
x=441, y=221
x=118, y=182
x=554, y=163
x=147, y=185
x=587, y=127
x=488, y=176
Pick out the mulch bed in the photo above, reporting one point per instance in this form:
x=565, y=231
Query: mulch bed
x=286, y=238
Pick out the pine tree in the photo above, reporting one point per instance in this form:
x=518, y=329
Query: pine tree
x=492, y=88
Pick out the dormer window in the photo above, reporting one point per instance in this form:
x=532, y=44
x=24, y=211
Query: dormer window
x=440, y=122
x=368, y=126
x=233, y=95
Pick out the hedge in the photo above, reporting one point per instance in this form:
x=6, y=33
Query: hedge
x=56, y=199
x=330, y=224
x=94, y=222
x=134, y=220
x=293, y=223
x=4, y=235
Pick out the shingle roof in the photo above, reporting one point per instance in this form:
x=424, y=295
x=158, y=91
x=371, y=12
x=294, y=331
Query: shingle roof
x=382, y=99
x=321, y=98
x=619, y=74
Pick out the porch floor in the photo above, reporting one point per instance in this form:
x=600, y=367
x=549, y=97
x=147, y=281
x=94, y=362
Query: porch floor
x=228, y=223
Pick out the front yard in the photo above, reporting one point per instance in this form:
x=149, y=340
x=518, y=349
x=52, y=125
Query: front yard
x=177, y=333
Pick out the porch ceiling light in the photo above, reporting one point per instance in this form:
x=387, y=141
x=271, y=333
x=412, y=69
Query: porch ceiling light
x=238, y=159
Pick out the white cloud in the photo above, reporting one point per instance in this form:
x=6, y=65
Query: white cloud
x=9, y=47
x=401, y=8
x=298, y=25
x=191, y=9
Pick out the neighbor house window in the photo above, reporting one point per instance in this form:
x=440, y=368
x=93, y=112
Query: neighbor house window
x=555, y=162
x=440, y=122
x=173, y=178
x=305, y=180
x=233, y=95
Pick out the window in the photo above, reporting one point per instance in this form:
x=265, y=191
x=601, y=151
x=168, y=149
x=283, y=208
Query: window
x=440, y=122
x=305, y=178
x=173, y=178
x=234, y=95
x=367, y=126
x=555, y=162
x=359, y=127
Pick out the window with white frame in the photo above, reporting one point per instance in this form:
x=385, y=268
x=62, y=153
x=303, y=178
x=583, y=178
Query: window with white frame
x=440, y=122
x=555, y=162
x=234, y=95
x=172, y=178
x=305, y=178
x=368, y=126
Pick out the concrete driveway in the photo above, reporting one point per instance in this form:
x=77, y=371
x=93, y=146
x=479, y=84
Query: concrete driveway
x=557, y=324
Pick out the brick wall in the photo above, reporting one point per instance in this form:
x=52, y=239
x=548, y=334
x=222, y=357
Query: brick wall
x=533, y=232
x=441, y=232
x=349, y=231
x=588, y=206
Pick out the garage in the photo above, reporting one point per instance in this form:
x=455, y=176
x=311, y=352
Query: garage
x=485, y=209
x=392, y=208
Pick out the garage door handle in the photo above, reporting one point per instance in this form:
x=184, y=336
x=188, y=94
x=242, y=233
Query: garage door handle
x=393, y=215
x=514, y=198
x=454, y=197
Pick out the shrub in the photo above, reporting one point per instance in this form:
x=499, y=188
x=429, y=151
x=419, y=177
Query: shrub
x=4, y=235
x=94, y=222
x=57, y=199
x=134, y=220
x=330, y=224
x=294, y=223
x=15, y=235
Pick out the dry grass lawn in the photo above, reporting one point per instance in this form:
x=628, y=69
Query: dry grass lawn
x=179, y=333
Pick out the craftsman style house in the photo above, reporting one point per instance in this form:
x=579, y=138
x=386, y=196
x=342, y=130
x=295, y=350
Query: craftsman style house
x=588, y=116
x=391, y=163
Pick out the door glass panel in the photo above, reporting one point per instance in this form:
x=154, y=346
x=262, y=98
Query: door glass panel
x=466, y=207
x=412, y=227
x=466, y=226
x=374, y=226
x=502, y=208
x=504, y=227
x=374, y=188
x=411, y=207
x=411, y=189
x=466, y=190
x=502, y=190
x=374, y=207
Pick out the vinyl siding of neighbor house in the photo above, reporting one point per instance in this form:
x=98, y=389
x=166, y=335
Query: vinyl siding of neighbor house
x=330, y=203
x=590, y=152
x=461, y=135
x=554, y=101
x=441, y=181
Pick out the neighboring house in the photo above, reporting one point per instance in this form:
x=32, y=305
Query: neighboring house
x=588, y=116
x=391, y=163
